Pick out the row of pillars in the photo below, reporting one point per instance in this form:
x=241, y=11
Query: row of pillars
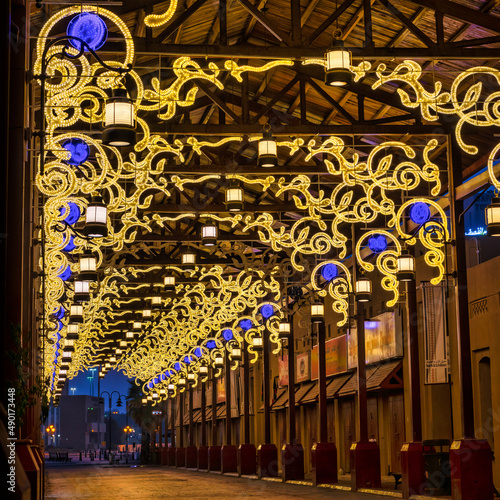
x=471, y=471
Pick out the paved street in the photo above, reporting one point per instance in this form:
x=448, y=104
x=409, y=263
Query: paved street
x=150, y=483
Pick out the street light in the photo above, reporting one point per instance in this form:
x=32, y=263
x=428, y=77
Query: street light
x=51, y=430
x=73, y=389
x=127, y=431
x=109, y=418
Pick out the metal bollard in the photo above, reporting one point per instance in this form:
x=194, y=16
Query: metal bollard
x=80, y=455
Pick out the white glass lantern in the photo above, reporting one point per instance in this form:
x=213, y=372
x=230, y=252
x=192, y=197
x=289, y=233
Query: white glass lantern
x=119, y=120
x=188, y=259
x=317, y=311
x=101, y=374
x=137, y=326
x=76, y=313
x=236, y=354
x=405, y=268
x=257, y=343
x=191, y=378
x=72, y=330
x=492, y=216
x=169, y=281
x=149, y=397
x=337, y=64
x=203, y=370
x=209, y=234
x=171, y=388
x=163, y=392
x=284, y=330
x=156, y=302
x=69, y=344
x=234, y=198
x=107, y=365
x=88, y=266
x=155, y=395
x=181, y=382
x=129, y=335
x=219, y=361
x=96, y=219
x=123, y=343
x=363, y=289
x=82, y=290
x=67, y=354
x=146, y=313
x=144, y=401
x=62, y=373
x=112, y=359
x=118, y=351
x=268, y=152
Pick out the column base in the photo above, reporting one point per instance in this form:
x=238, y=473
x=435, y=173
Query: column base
x=247, y=460
x=365, y=465
x=228, y=461
x=164, y=456
x=214, y=458
x=180, y=457
x=412, y=469
x=324, y=463
x=171, y=457
x=267, y=461
x=191, y=457
x=292, y=462
x=471, y=470
x=203, y=458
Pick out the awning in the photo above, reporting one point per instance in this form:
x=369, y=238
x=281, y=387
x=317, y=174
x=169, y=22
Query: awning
x=336, y=383
x=302, y=391
x=312, y=394
x=377, y=377
x=281, y=402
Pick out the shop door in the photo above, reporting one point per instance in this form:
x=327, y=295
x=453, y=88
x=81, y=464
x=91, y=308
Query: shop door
x=397, y=430
x=349, y=432
x=372, y=419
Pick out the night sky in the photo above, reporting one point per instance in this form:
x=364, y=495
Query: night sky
x=113, y=381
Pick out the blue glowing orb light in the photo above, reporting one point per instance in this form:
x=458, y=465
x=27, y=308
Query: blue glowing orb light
x=150, y=385
x=65, y=274
x=177, y=366
x=78, y=149
x=90, y=27
x=329, y=272
x=198, y=352
x=377, y=243
x=163, y=377
x=59, y=314
x=267, y=311
x=169, y=373
x=420, y=212
x=227, y=334
x=72, y=215
x=70, y=245
x=245, y=324
x=211, y=344
x=187, y=360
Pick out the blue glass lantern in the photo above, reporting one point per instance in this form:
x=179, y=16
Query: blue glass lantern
x=90, y=27
x=329, y=271
x=377, y=243
x=73, y=213
x=227, y=334
x=420, y=212
x=211, y=344
x=65, y=274
x=177, y=366
x=245, y=324
x=267, y=311
x=198, y=352
x=78, y=149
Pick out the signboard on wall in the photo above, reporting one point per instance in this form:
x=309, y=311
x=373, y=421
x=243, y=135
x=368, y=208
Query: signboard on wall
x=383, y=339
x=283, y=371
x=302, y=368
x=435, y=336
x=336, y=357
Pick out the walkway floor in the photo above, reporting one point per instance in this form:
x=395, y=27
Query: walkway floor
x=102, y=482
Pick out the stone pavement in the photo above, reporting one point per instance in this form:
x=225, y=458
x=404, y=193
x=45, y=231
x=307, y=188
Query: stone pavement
x=102, y=482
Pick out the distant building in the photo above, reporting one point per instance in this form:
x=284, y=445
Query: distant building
x=81, y=423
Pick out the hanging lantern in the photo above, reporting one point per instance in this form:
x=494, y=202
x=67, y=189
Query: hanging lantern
x=219, y=361
x=118, y=351
x=169, y=281
x=268, y=152
x=156, y=302
x=144, y=401
x=171, y=388
x=82, y=290
x=107, y=366
x=123, y=343
x=191, y=378
x=112, y=359
x=203, y=370
x=155, y=396
x=405, y=268
x=137, y=326
x=236, y=354
x=69, y=344
x=76, y=313
x=162, y=392
x=492, y=216
x=146, y=313
x=119, y=120
x=149, y=397
x=181, y=382
x=96, y=219
x=284, y=330
x=234, y=197
x=88, y=266
x=72, y=330
x=101, y=374
x=66, y=356
x=209, y=234
x=363, y=290
x=337, y=64
x=129, y=335
x=317, y=312
x=188, y=259
x=257, y=343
